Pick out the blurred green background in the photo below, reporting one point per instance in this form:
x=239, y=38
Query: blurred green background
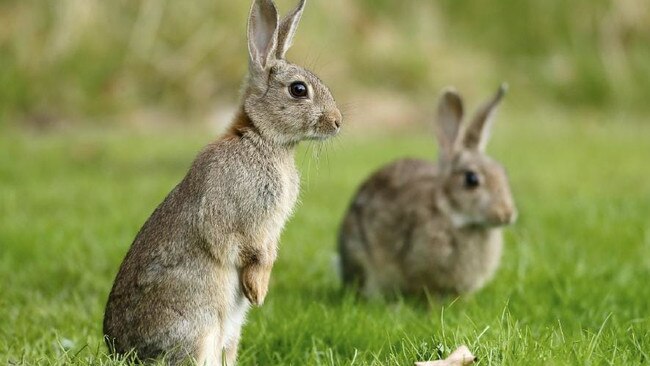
x=90, y=61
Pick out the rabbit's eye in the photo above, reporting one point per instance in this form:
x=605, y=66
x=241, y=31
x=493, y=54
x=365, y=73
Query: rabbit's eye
x=471, y=180
x=298, y=90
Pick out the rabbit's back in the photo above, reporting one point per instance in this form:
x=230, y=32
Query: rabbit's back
x=380, y=226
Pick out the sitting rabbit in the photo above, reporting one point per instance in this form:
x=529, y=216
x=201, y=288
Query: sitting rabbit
x=416, y=227
x=206, y=252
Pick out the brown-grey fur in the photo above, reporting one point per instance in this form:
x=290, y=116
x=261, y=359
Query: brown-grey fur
x=207, y=251
x=414, y=228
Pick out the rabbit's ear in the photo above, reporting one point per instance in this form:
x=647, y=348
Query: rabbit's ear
x=450, y=115
x=477, y=132
x=287, y=29
x=262, y=33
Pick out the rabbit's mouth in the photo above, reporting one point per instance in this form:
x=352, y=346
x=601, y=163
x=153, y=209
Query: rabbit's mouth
x=492, y=220
x=320, y=136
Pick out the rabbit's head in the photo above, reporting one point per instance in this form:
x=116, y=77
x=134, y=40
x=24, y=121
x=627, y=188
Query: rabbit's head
x=284, y=101
x=474, y=189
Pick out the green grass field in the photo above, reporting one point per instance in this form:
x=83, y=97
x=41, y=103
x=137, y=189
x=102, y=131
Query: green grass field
x=572, y=289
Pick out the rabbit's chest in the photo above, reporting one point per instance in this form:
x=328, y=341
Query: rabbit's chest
x=278, y=196
x=473, y=259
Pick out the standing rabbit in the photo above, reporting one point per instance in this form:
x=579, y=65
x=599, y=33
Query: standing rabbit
x=206, y=252
x=415, y=226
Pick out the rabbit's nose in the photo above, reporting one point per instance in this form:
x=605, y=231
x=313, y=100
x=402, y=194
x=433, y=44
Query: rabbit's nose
x=333, y=117
x=508, y=216
x=503, y=215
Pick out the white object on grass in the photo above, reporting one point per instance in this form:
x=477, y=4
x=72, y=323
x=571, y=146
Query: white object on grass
x=460, y=357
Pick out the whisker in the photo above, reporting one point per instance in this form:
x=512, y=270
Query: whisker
x=308, y=159
x=327, y=157
x=318, y=157
x=337, y=143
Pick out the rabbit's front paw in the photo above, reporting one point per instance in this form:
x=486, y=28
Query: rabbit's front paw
x=255, y=283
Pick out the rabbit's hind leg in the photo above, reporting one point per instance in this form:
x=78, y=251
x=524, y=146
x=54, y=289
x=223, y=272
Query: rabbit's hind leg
x=230, y=350
x=232, y=330
x=211, y=349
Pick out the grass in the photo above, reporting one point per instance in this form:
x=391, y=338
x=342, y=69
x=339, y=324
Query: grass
x=572, y=288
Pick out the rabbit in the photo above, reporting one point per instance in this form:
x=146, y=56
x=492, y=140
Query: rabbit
x=419, y=228
x=206, y=253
